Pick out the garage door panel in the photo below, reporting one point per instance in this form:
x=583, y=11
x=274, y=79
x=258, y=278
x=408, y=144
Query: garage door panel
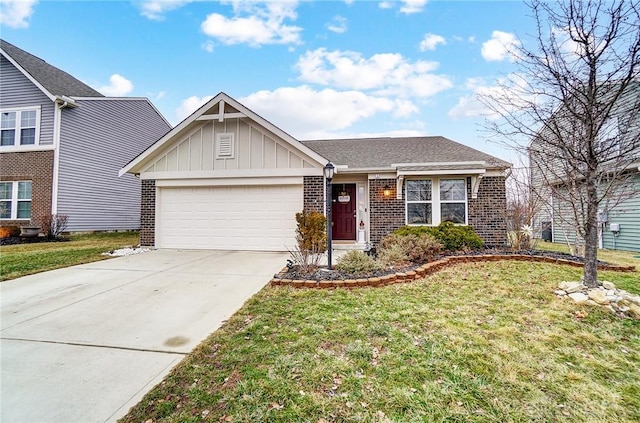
x=238, y=218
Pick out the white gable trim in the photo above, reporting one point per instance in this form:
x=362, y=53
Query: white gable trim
x=138, y=163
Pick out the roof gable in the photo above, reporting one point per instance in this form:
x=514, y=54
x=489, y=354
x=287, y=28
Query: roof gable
x=51, y=80
x=191, y=145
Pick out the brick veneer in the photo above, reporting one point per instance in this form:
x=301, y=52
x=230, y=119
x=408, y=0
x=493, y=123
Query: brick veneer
x=313, y=189
x=386, y=213
x=34, y=166
x=487, y=212
x=148, y=213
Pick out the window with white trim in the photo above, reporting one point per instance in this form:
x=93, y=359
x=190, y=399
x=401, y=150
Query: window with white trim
x=432, y=201
x=19, y=127
x=15, y=200
x=453, y=200
x=419, y=202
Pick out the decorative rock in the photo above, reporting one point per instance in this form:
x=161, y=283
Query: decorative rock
x=578, y=297
x=634, y=310
x=560, y=292
x=598, y=296
x=608, y=285
x=574, y=287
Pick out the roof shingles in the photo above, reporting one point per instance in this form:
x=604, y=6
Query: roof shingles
x=57, y=82
x=381, y=153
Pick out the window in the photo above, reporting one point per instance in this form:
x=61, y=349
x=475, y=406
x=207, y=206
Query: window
x=419, y=210
x=432, y=201
x=453, y=196
x=19, y=127
x=15, y=200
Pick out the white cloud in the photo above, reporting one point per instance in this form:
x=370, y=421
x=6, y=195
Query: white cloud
x=208, y=46
x=308, y=113
x=255, y=24
x=510, y=92
x=501, y=46
x=385, y=73
x=385, y=5
x=412, y=6
x=431, y=41
x=16, y=13
x=156, y=9
x=190, y=105
x=338, y=24
x=118, y=86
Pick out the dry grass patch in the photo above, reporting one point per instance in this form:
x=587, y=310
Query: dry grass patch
x=26, y=259
x=477, y=342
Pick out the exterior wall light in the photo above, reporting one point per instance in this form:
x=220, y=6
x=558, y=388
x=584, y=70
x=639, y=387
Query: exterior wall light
x=387, y=191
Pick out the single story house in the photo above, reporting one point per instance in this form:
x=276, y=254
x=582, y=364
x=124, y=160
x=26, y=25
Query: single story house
x=226, y=178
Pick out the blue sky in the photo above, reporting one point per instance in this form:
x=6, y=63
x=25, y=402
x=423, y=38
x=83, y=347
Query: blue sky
x=317, y=69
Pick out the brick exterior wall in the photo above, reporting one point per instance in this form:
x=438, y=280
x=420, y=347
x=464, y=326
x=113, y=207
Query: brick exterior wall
x=34, y=166
x=313, y=189
x=386, y=213
x=148, y=213
x=487, y=212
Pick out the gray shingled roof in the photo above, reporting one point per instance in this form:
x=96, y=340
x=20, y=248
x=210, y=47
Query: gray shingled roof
x=54, y=80
x=380, y=153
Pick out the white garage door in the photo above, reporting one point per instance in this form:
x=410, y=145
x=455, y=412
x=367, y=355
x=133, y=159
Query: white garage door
x=230, y=218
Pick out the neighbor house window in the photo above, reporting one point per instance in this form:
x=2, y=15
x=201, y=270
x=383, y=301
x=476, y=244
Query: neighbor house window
x=419, y=202
x=15, y=200
x=453, y=200
x=19, y=127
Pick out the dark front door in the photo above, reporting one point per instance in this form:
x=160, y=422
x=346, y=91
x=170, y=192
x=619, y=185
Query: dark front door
x=343, y=212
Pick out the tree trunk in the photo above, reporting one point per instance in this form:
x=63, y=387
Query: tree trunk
x=590, y=277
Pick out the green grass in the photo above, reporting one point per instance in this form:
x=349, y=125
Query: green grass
x=484, y=342
x=27, y=259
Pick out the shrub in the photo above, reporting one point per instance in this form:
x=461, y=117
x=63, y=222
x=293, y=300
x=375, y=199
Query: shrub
x=9, y=231
x=416, y=248
x=452, y=237
x=311, y=237
x=53, y=225
x=357, y=263
x=393, y=255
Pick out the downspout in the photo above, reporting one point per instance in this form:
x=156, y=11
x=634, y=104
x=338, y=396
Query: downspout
x=57, y=120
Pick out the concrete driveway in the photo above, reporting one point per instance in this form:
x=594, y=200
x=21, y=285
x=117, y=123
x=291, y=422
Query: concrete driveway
x=85, y=343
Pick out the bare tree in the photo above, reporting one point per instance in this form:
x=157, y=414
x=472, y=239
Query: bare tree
x=522, y=208
x=573, y=108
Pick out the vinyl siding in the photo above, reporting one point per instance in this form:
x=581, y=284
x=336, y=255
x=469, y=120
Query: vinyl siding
x=16, y=90
x=97, y=139
x=627, y=214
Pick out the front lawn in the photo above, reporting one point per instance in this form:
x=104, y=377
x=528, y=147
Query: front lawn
x=476, y=342
x=26, y=259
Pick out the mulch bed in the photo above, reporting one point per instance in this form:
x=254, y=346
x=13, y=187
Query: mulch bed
x=325, y=278
x=14, y=240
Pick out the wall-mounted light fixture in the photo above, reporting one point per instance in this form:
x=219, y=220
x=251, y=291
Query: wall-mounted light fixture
x=386, y=191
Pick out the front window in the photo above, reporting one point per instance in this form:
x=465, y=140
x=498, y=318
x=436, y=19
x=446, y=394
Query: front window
x=453, y=205
x=15, y=200
x=419, y=202
x=19, y=127
x=432, y=201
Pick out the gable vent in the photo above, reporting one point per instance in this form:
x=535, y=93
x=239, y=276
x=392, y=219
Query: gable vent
x=225, y=145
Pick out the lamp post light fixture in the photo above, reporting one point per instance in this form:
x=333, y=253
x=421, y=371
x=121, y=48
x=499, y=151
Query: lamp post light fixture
x=328, y=176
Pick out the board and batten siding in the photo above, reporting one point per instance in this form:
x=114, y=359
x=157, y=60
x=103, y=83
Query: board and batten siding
x=97, y=139
x=254, y=148
x=16, y=90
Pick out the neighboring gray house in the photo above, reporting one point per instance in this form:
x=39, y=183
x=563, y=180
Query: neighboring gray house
x=62, y=144
x=619, y=214
x=226, y=178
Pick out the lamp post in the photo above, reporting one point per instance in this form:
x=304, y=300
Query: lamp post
x=328, y=175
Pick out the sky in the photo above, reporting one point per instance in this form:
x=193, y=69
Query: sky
x=316, y=69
